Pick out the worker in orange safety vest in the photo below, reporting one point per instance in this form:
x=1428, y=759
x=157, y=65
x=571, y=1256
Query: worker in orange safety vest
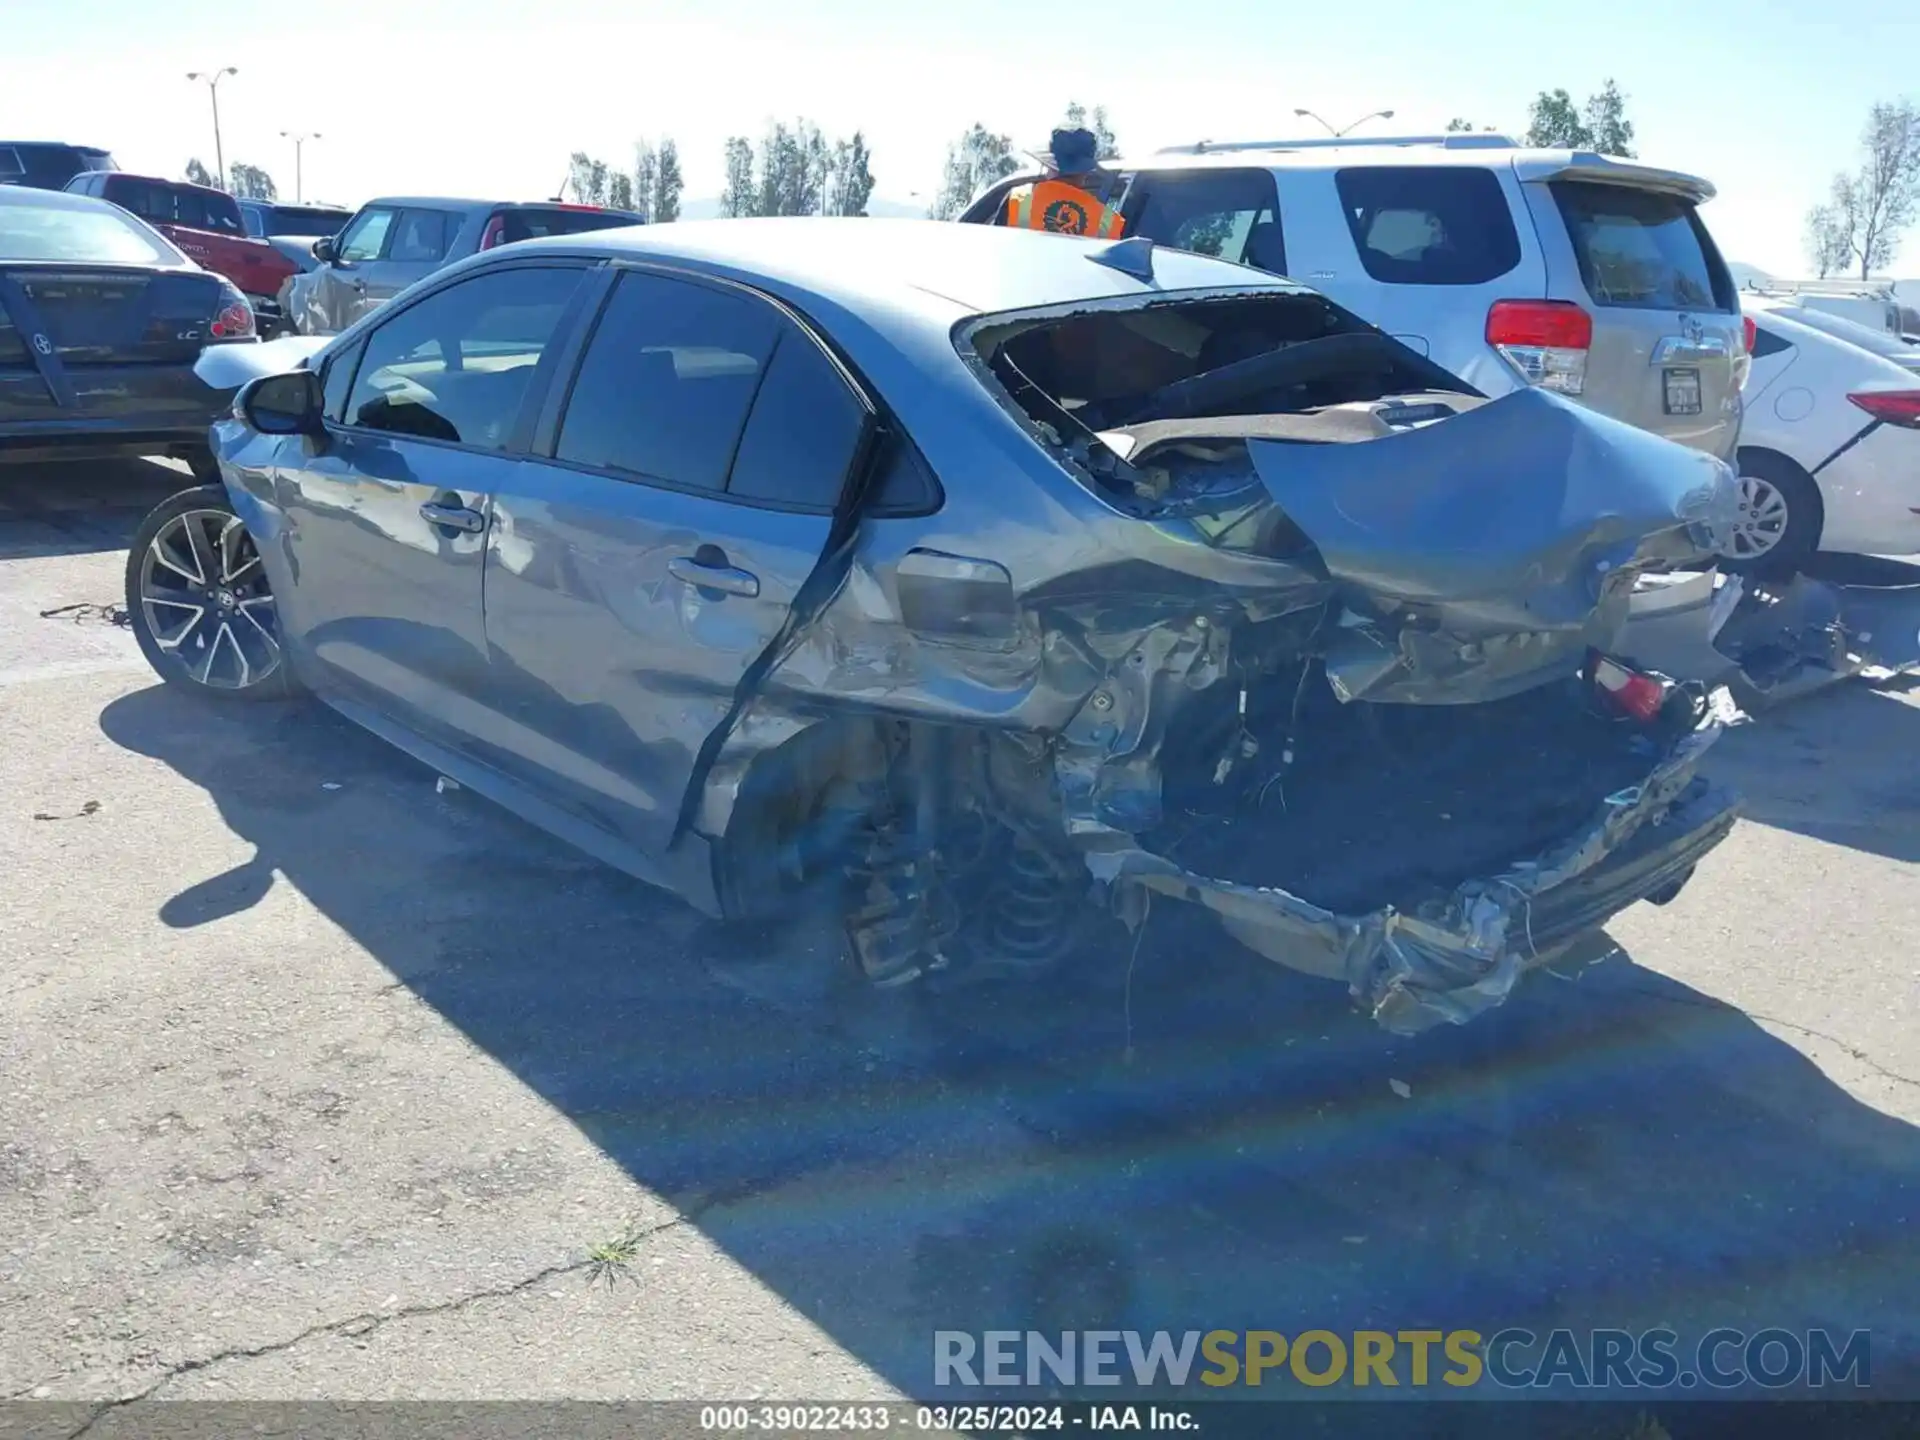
x=1067, y=202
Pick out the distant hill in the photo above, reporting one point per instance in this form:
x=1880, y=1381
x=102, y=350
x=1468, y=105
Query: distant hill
x=709, y=209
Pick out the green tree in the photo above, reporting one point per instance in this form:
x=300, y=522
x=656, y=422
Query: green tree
x=620, y=190
x=1554, y=122
x=588, y=178
x=1078, y=116
x=198, y=174
x=1868, y=211
x=646, y=174
x=740, y=197
x=850, y=182
x=974, y=161
x=792, y=169
x=664, y=207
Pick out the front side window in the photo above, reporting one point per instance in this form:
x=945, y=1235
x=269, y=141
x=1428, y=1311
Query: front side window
x=336, y=379
x=457, y=365
x=1429, y=224
x=421, y=237
x=364, y=237
x=667, y=380
x=1233, y=214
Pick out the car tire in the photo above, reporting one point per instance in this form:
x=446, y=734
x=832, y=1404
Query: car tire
x=1770, y=484
x=199, y=603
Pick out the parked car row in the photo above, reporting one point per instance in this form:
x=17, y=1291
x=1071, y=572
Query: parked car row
x=1583, y=275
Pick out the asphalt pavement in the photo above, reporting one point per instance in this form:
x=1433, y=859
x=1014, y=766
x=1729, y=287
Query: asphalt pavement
x=320, y=1082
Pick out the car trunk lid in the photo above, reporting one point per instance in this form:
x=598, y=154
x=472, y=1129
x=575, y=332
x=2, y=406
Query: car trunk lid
x=59, y=321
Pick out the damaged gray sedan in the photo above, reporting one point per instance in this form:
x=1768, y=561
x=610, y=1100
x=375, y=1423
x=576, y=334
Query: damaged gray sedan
x=979, y=582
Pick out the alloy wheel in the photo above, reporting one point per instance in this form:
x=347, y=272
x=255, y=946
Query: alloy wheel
x=206, y=604
x=1761, y=522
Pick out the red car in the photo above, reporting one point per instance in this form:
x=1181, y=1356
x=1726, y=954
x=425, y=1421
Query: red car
x=206, y=224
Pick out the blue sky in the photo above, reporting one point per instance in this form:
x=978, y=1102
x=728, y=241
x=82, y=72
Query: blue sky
x=1765, y=97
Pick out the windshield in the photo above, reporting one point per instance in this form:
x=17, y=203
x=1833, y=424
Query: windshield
x=70, y=233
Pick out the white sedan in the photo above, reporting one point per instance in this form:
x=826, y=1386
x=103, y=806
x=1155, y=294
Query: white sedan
x=1829, y=447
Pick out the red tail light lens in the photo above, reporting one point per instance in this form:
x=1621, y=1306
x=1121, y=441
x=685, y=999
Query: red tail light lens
x=496, y=227
x=234, y=319
x=1749, y=332
x=1631, y=693
x=1556, y=324
x=1891, y=407
x=1545, y=340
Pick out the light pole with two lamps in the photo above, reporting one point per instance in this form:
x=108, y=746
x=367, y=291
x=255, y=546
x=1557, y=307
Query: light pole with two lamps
x=1337, y=134
x=299, y=138
x=212, y=79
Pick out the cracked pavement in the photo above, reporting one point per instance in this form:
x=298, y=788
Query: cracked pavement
x=320, y=1084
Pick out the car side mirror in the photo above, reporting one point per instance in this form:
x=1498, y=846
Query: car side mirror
x=323, y=249
x=289, y=404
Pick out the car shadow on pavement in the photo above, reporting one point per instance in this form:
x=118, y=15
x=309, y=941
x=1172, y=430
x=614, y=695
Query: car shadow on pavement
x=79, y=507
x=1178, y=1136
x=1836, y=766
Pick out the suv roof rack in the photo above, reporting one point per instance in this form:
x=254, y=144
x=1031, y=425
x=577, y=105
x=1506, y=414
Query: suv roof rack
x=1454, y=140
x=1872, y=289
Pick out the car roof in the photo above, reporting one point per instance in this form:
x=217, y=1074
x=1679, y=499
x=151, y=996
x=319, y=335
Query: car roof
x=1465, y=152
x=163, y=180
x=454, y=202
x=932, y=267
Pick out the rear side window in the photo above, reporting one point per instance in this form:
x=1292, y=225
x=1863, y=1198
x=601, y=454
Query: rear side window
x=149, y=199
x=804, y=431
x=532, y=224
x=664, y=388
x=1429, y=225
x=456, y=366
x=1234, y=214
x=206, y=211
x=1642, y=250
x=421, y=236
x=1766, y=342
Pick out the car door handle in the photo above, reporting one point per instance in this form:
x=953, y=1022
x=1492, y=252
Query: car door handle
x=455, y=517
x=359, y=285
x=727, y=579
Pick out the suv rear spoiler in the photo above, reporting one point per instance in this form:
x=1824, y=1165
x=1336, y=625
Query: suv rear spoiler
x=1587, y=165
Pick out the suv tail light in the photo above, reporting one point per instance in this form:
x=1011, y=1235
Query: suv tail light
x=496, y=228
x=1891, y=407
x=234, y=319
x=1545, y=340
x=1627, y=690
x=1749, y=332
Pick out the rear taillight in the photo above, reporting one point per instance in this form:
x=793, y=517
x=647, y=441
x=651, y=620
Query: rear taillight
x=1633, y=694
x=1891, y=407
x=234, y=319
x=496, y=228
x=1749, y=332
x=1545, y=340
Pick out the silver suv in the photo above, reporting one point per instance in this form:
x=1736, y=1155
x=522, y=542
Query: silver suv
x=1564, y=269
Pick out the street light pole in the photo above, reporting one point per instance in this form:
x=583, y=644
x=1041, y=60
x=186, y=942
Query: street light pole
x=299, y=138
x=1337, y=134
x=212, y=79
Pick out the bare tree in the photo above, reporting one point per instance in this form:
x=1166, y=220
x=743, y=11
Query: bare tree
x=1867, y=212
x=974, y=161
x=741, y=197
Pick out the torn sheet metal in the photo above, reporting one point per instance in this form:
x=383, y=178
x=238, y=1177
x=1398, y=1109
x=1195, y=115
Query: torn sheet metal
x=1463, y=956
x=1794, y=638
x=1483, y=553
